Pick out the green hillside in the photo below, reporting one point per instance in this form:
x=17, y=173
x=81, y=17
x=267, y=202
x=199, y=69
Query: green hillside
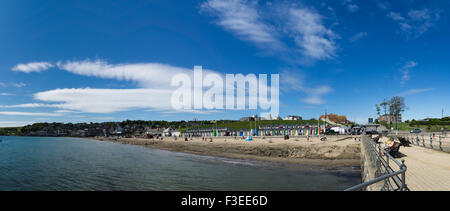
x=10, y=131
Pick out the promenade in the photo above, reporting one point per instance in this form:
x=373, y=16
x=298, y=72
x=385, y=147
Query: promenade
x=428, y=169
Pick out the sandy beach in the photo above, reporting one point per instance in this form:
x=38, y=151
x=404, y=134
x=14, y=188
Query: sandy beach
x=336, y=151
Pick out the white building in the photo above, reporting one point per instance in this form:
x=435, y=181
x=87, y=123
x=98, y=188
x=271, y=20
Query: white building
x=167, y=132
x=176, y=133
x=293, y=117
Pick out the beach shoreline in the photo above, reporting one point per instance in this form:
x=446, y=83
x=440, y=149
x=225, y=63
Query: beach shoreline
x=336, y=152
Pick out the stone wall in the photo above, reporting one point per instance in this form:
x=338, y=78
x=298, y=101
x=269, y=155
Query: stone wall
x=370, y=166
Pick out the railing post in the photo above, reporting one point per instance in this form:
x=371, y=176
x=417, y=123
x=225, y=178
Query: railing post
x=387, y=159
x=431, y=142
x=403, y=176
x=375, y=150
x=423, y=140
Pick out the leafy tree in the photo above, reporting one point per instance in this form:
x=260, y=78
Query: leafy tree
x=397, y=107
x=378, y=109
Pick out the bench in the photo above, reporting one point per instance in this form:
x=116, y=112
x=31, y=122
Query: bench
x=377, y=139
x=395, y=151
x=404, y=142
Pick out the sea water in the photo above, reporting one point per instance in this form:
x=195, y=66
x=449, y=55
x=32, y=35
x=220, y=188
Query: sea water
x=66, y=164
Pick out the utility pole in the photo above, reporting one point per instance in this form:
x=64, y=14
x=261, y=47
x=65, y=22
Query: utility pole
x=250, y=120
x=256, y=123
x=318, y=125
x=443, y=128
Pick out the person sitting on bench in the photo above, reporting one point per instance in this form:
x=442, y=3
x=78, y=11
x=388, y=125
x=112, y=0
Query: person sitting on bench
x=394, y=151
x=388, y=146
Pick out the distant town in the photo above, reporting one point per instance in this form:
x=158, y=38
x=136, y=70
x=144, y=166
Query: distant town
x=134, y=128
x=254, y=125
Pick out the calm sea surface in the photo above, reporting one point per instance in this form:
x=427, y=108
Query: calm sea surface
x=39, y=163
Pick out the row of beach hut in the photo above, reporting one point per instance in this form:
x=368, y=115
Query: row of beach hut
x=262, y=131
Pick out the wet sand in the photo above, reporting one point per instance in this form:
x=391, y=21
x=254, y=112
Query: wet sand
x=337, y=151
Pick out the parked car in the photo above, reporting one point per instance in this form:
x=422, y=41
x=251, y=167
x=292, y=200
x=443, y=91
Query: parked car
x=416, y=131
x=356, y=131
x=371, y=132
x=331, y=132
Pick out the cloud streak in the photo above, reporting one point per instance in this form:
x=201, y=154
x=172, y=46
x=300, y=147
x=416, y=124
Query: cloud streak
x=32, y=67
x=415, y=22
x=153, y=78
x=14, y=123
x=270, y=27
x=358, y=36
x=105, y=100
x=293, y=81
x=310, y=35
x=16, y=113
x=405, y=71
x=243, y=19
x=415, y=91
x=351, y=6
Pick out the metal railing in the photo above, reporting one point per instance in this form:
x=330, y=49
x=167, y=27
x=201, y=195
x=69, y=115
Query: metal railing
x=383, y=165
x=438, y=143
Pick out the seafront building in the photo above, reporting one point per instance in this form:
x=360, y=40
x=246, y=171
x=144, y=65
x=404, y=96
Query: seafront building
x=293, y=118
x=390, y=119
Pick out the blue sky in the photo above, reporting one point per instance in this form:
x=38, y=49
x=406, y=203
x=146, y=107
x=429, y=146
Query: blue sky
x=65, y=61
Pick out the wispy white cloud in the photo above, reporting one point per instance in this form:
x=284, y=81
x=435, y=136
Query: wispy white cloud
x=309, y=33
x=384, y=5
x=16, y=113
x=32, y=67
x=191, y=111
x=242, y=18
x=415, y=91
x=103, y=101
x=14, y=123
x=313, y=100
x=269, y=27
x=148, y=75
x=315, y=95
x=405, y=71
x=27, y=105
x=358, y=36
x=6, y=94
x=18, y=85
x=351, y=6
x=294, y=81
x=415, y=22
x=89, y=100
x=321, y=90
x=13, y=84
x=65, y=111
x=155, y=80
x=291, y=80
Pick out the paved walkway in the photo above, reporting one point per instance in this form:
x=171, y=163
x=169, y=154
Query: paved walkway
x=428, y=170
